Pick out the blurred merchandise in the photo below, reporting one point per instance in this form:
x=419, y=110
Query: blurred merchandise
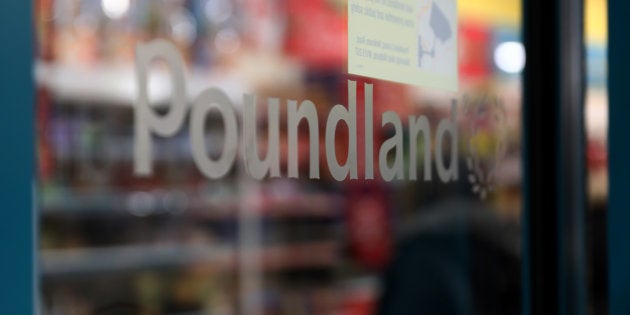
x=112, y=242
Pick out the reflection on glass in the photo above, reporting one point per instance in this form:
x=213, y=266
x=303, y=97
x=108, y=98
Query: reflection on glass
x=177, y=242
x=596, y=120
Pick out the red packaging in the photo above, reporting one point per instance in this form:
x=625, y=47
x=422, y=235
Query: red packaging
x=316, y=33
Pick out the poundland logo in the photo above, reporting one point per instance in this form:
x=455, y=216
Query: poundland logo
x=243, y=139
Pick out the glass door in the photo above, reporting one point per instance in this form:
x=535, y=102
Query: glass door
x=279, y=157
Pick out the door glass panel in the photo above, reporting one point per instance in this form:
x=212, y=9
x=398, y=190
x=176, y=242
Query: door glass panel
x=222, y=177
x=596, y=119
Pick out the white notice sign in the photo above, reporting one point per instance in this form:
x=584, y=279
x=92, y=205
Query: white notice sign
x=408, y=41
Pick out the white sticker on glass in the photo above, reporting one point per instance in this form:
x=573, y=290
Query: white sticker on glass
x=407, y=41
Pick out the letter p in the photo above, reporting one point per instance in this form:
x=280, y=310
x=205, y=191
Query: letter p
x=147, y=121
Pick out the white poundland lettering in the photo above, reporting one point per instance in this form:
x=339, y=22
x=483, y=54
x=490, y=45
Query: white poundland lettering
x=148, y=123
x=337, y=114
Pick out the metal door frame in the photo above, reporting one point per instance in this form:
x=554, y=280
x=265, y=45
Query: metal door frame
x=554, y=269
x=619, y=158
x=17, y=159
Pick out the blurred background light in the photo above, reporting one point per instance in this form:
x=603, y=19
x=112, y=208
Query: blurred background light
x=510, y=57
x=218, y=11
x=115, y=9
x=227, y=41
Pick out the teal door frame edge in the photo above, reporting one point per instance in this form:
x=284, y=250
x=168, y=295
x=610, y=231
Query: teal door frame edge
x=619, y=158
x=17, y=159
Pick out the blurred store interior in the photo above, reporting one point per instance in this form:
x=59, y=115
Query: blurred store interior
x=176, y=242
